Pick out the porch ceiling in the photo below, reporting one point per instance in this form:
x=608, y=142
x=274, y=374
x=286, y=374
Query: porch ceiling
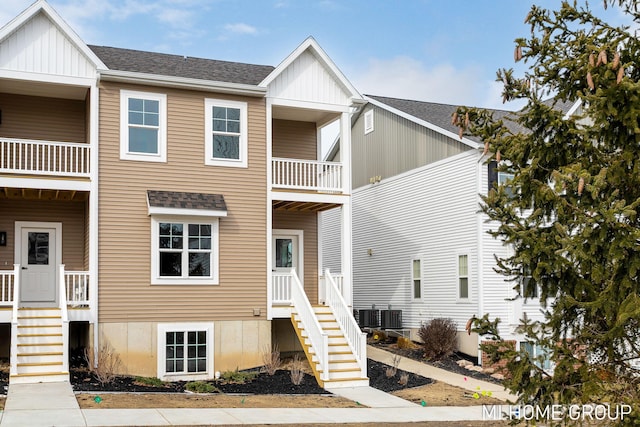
x=286, y=205
x=39, y=194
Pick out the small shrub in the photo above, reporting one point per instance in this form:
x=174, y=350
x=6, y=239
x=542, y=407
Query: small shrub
x=150, y=381
x=200, y=387
x=107, y=363
x=393, y=369
x=296, y=370
x=405, y=343
x=404, y=379
x=237, y=377
x=439, y=338
x=271, y=359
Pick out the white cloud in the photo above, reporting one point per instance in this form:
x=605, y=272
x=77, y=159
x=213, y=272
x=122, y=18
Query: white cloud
x=408, y=78
x=241, y=28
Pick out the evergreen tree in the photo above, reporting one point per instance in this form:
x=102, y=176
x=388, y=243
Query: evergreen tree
x=572, y=217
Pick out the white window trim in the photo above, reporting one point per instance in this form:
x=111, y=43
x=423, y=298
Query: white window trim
x=413, y=279
x=209, y=160
x=368, y=121
x=156, y=279
x=460, y=299
x=161, y=354
x=125, y=154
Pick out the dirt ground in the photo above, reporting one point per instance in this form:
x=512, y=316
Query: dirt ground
x=436, y=394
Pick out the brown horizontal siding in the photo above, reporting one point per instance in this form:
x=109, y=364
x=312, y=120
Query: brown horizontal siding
x=295, y=140
x=308, y=223
x=125, y=233
x=71, y=214
x=40, y=118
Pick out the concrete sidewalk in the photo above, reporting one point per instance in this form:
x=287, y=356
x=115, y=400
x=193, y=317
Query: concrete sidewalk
x=54, y=404
x=442, y=375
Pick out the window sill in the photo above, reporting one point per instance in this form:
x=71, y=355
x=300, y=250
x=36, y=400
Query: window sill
x=226, y=163
x=184, y=282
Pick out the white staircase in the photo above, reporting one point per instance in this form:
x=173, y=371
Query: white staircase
x=343, y=367
x=39, y=347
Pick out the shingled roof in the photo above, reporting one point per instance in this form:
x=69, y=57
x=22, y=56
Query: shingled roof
x=181, y=66
x=182, y=200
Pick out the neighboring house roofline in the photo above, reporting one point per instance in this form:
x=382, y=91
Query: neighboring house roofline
x=182, y=82
x=44, y=7
x=421, y=122
x=312, y=45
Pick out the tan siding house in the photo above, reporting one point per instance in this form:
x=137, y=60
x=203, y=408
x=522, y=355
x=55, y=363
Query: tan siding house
x=168, y=207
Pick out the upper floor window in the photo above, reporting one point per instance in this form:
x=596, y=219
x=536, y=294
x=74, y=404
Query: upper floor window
x=225, y=133
x=143, y=126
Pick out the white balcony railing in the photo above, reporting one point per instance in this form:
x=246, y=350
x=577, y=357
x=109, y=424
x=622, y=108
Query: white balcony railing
x=22, y=156
x=7, y=283
x=307, y=175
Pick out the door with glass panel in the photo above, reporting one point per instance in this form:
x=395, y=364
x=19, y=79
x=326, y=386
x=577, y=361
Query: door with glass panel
x=286, y=254
x=38, y=266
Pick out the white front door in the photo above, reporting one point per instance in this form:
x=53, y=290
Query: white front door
x=287, y=252
x=38, y=262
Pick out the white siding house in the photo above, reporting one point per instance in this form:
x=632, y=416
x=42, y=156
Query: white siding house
x=420, y=243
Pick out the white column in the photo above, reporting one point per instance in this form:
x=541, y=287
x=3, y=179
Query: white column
x=345, y=223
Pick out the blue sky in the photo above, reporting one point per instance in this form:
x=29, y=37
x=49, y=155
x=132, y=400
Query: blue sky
x=430, y=50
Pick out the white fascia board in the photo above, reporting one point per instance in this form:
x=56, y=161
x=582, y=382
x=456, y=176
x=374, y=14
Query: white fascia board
x=43, y=6
x=46, y=184
x=423, y=123
x=47, y=78
x=154, y=210
x=294, y=103
x=182, y=83
x=573, y=109
x=311, y=44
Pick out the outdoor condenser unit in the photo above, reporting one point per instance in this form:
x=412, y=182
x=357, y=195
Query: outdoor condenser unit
x=391, y=319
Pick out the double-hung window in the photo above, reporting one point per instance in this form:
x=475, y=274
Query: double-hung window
x=185, y=250
x=143, y=126
x=225, y=133
x=463, y=277
x=185, y=350
x=416, y=279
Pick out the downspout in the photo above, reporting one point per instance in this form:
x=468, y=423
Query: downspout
x=269, y=208
x=480, y=248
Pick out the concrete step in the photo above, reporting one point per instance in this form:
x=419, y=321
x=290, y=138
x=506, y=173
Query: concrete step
x=40, y=377
x=346, y=382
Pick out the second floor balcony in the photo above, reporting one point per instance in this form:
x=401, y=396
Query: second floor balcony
x=307, y=175
x=45, y=158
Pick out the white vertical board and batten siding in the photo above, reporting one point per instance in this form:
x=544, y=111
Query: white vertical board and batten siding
x=40, y=47
x=307, y=79
x=396, y=145
x=331, y=237
x=429, y=214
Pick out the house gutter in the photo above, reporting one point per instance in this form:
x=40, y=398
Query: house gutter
x=182, y=83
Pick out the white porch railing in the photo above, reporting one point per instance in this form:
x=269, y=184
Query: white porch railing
x=7, y=286
x=322, y=286
x=307, y=175
x=62, y=295
x=344, y=316
x=44, y=157
x=77, y=287
x=316, y=336
x=281, y=294
x=13, y=370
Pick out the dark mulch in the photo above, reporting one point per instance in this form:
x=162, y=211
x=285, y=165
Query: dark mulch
x=449, y=363
x=279, y=383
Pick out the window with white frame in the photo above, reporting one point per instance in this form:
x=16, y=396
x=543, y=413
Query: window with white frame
x=185, y=250
x=538, y=354
x=143, y=126
x=416, y=279
x=504, y=179
x=368, y=122
x=528, y=289
x=225, y=133
x=463, y=276
x=185, y=350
